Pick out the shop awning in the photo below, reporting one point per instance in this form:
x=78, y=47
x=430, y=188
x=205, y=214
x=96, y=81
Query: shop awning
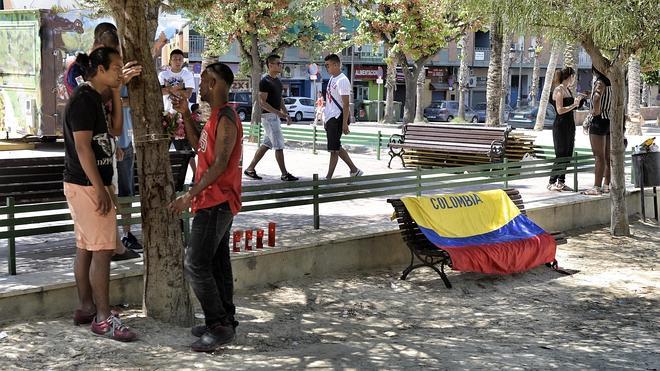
x=439, y=86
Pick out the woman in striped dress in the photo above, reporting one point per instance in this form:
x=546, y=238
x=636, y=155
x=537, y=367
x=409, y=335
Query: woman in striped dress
x=599, y=131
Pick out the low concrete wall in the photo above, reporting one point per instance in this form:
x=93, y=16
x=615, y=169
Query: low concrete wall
x=650, y=113
x=595, y=211
x=378, y=250
x=360, y=253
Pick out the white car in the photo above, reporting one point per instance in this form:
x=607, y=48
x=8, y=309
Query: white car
x=300, y=108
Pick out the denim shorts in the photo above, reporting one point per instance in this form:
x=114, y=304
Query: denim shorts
x=273, y=137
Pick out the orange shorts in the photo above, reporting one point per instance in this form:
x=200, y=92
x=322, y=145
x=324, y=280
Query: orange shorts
x=94, y=232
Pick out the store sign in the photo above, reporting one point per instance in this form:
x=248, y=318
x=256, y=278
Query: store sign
x=366, y=72
x=437, y=74
x=240, y=85
x=479, y=56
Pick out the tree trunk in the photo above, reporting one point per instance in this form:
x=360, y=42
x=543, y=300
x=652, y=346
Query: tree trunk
x=463, y=78
x=410, y=74
x=254, y=62
x=419, y=106
x=619, y=222
x=506, y=79
x=634, y=96
x=547, y=85
x=390, y=84
x=494, y=84
x=535, y=72
x=336, y=18
x=166, y=296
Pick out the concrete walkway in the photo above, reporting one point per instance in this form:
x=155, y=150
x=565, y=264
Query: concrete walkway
x=603, y=317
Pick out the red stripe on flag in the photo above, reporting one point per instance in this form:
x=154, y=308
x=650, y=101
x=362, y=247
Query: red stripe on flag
x=503, y=258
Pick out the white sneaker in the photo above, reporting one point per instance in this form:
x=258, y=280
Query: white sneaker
x=357, y=173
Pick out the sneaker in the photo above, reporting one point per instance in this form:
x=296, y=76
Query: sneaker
x=127, y=255
x=80, y=317
x=252, y=174
x=606, y=189
x=554, y=187
x=358, y=172
x=564, y=187
x=214, y=338
x=288, y=177
x=550, y=186
x=198, y=331
x=130, y=242
x=114, y=329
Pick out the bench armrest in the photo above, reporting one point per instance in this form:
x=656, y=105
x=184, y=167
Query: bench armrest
x=396, y=139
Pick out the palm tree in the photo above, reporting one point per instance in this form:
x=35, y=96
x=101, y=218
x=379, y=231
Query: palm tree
x=494, y=80
x=506, y=66
x=463, y=77
x=536, y=71
x=390, y=84
x=570, y=60
x=547, y=85
x=634, y=96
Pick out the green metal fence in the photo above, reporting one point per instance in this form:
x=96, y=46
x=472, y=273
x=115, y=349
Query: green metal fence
x=20, y=220
x=315, y=135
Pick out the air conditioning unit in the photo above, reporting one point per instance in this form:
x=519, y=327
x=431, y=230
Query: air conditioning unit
x=472, y=82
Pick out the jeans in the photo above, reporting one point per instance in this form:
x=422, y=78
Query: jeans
x=125, y=176
x=207, y=264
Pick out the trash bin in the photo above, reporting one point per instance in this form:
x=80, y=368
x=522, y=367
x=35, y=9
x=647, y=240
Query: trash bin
x=646, y=173
x=649, y=162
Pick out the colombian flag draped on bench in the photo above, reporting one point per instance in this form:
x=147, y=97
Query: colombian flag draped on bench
x=482, y=231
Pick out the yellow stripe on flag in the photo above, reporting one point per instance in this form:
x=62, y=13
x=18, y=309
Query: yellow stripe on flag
x=462, y=214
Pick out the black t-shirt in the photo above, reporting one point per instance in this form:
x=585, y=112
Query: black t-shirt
x=85, y=112
x=272, y=86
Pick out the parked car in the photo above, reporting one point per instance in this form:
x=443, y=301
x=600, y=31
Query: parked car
x=300, y=108
x=242, y=102
x=525, y=117
x=446, y=110
x=480, y=109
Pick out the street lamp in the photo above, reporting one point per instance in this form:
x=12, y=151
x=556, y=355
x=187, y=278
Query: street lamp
x=512, y=54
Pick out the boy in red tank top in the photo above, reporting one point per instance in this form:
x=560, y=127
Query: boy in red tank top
x=215, y=199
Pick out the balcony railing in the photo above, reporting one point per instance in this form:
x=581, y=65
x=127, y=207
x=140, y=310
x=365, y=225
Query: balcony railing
x=195, y=47
x=374, y=53
x=481, y=56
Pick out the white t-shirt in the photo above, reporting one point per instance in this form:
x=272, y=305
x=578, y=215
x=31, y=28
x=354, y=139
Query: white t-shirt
x=337, y=86
x=183, y=78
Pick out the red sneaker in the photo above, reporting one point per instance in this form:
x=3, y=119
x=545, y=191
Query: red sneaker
x=114, y=329
x=80, y=317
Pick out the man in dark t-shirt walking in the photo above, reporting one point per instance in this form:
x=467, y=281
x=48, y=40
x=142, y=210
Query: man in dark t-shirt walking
x=272, y=105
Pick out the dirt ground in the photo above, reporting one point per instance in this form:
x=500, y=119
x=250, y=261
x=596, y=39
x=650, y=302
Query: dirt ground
x=605, y=316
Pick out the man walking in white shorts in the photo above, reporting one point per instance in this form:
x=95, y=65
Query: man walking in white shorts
x=272, y=105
